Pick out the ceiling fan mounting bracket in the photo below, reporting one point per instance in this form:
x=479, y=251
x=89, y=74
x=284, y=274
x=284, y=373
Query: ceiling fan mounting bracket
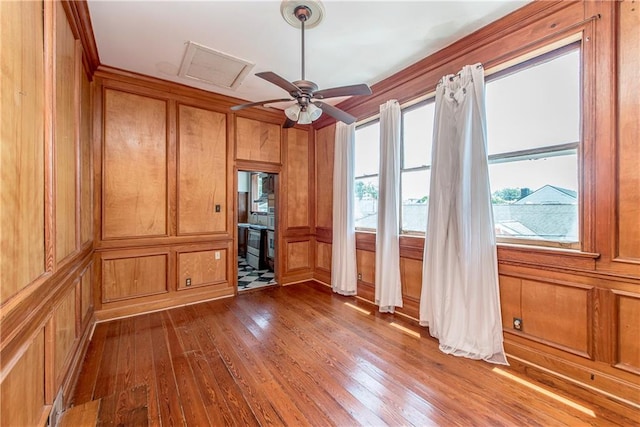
x=303, y=13
x=311, y=12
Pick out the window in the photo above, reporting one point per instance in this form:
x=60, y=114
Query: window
x=367, y=163
x=533, y=133
x=415, y=169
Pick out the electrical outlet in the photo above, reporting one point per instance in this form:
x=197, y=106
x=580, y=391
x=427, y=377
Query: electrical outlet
x=217, y=255
x=217, y=208
x=359, y=276
x=517, y=323
x=188, y=281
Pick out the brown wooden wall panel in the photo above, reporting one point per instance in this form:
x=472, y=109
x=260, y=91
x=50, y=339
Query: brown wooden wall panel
x=86, y=171
x=65, y=137
x=366, y=262
x=510, y=292
x=411, y=278
x=323, y=255
x=257, y=140
x=86, y=291
x=64, y=324
x=134, y=166
x=22, y=148
x=629, y=132
x=202, y=170
x=22, y=391
x=325, y=146
x=557, y=314
x=629, y=331
x=297, y=185
x=134, y=276
x=298, y=255
x=202, y=267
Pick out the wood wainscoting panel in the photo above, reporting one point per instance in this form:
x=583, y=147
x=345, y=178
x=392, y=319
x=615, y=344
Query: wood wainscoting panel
x=297, y=175
x=628, y=233
x=411, y=278
x=22, y=149
x=202, y=170
x=628, y=345
x=134, y=200
x=323, y=256
x=298, y=255
x=86, y=171
x=202, y=268
x=65, y=152
x=135, y=275
x=510, y=294
x=22, y=390
x=64, y=324
x=366, y=262
x=86, y=292
x=257, y=141
x=557, y=314
x=325, y=146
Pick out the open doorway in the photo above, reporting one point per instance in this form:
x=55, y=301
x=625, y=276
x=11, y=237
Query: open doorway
x=256, y=230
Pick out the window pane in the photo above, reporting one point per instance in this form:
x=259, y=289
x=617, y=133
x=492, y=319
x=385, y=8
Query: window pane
x=366, y=203
x=536, y=199
x=415, y=200
x=367, y=150
x=417, y=136
x=535, y=107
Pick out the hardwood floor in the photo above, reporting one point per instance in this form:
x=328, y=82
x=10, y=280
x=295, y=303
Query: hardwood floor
x=299, y=355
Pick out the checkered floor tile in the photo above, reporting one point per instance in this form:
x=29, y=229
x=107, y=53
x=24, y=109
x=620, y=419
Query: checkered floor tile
x=250, y=278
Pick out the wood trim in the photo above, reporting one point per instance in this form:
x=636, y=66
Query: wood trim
x=80, y=19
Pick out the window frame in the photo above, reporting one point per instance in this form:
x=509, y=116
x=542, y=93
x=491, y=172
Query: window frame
x=363, y=124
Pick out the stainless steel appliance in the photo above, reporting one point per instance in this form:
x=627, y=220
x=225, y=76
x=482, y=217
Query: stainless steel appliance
x=255, y=245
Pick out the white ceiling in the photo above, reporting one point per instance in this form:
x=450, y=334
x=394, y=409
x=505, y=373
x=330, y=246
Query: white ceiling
x=356, y=42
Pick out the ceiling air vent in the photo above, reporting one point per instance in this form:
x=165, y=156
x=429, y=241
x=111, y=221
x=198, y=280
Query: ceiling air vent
x=210, y=66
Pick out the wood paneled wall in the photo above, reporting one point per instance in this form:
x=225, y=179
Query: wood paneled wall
x=46, y=235
x=578, y=308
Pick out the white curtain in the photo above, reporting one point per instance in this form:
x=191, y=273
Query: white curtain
x=388, y=287
x=344, y=273
x=460, y=298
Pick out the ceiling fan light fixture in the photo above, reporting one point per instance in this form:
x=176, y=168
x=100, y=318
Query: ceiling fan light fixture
x=293, y=112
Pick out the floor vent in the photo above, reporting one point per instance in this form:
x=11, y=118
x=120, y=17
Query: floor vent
x=210, y=66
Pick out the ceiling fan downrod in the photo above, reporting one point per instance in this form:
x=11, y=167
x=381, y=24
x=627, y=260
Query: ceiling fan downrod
x=303, y=13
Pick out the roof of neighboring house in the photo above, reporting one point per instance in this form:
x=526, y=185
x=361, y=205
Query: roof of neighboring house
x=550, y=195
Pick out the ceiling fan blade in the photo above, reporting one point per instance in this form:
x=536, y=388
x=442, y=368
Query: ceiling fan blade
x=288, y=123
x=279, y=81
x=361, y=89
x=259, y=103
x=334, y=112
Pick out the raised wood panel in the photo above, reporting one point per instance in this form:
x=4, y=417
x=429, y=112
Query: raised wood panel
x=366, y=262
x=510, y=292
x=65, y=152
x=325, y=146
x=202, y=171
x=629, y=331
x=629, y=131
x=22, y=391
x=323, y=255
x=411, y=278
x=64, y=321
x=298, y=255
x=22, y=148
x=86, y=187
x=86, y=291
x=134, y=276
x=297, y=185
x=258, y=141
x=134, y=166
x=557, y=314
x=202, y=268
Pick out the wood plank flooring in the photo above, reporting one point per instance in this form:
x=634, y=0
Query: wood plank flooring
x=300, y=355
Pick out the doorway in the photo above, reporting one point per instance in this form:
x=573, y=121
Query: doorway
x=256, y=230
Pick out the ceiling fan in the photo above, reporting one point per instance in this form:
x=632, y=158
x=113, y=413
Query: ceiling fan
x=308, y=106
